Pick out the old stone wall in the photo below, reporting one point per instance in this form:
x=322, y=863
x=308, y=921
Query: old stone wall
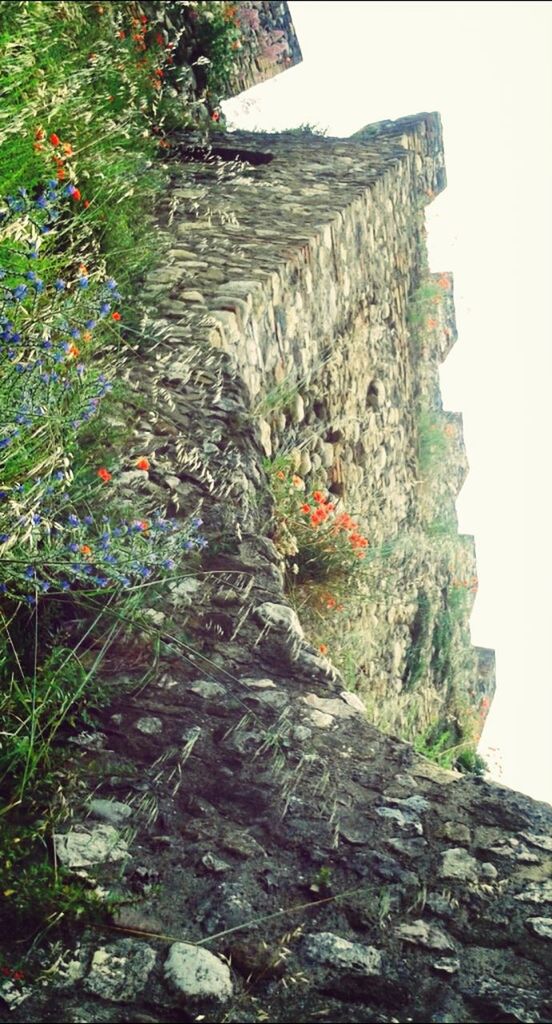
x=273, y=855
x=302, y=255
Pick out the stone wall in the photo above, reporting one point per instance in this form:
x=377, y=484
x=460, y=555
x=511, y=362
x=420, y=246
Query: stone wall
x=273, y=855
x=270, y=43
x=301, y=256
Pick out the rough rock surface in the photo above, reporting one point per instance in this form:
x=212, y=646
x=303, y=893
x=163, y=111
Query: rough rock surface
x=286, y=857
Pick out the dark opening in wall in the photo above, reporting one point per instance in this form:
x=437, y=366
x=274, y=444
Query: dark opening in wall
x=207, y=154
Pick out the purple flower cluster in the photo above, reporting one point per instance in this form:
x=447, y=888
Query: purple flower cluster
x=83, y=553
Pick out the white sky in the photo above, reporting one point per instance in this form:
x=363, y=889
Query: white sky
x=487, y=68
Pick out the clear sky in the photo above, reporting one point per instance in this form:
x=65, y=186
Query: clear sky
x=487, y=68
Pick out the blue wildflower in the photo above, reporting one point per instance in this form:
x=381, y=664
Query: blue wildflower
x=20, y=292
x=83, y=282
x=169, y=563
x=36, y=519
x=44, y=585
x=4, y=537
x=29, y=573
x=88, y=520
x=5, y=442
x=30, y=275
x=73, y=520
x=90, y=325
x=60, y=285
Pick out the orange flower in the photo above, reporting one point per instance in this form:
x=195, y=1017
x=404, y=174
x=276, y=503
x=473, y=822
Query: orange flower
x=104, y=474
x=86, y=336
x=85, y=550
x=443, y=282
x=280, y=475
x=73, y=351
x=67, y=148
x=431, y=323
x=116, y=316
x=297, y=481
x=143, y=463
x=305, y=508
x=38, y=147
x=60, y=174
x=317, y=496
x=39, y=134
x=323, y=648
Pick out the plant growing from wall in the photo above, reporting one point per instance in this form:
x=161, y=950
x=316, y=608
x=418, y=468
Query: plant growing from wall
x=319, y=542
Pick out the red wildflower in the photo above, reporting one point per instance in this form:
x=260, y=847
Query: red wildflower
x=60, y=174
x=116, y=316
x=317, y=496
x=143, y=463
x=76, y=195
x=305, y=508
x=86, y=204
x=121, y=34
x=104, y=474
x=158, y=72
x=39, y=134
x=54, y=139
x=215, y=116
x=159, y=39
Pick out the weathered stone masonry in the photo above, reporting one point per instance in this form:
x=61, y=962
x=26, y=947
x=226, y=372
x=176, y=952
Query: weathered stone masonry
x=304, y=252
x=276, y=857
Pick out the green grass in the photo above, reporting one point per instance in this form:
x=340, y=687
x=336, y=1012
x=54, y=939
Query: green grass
x=89, y=94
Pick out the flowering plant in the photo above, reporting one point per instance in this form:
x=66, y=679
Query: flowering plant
x=317, y=540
